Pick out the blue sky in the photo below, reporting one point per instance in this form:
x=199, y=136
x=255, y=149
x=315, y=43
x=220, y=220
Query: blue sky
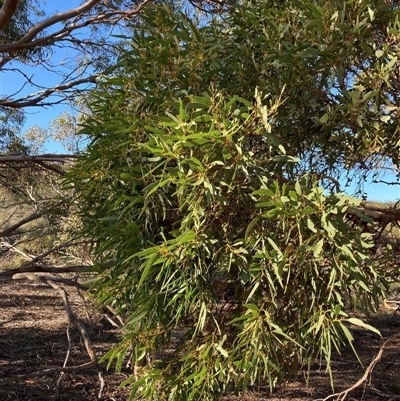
x=62, y=58
x=11, y=82
x=380, y=192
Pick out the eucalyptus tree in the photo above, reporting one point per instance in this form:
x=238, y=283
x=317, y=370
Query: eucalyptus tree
x=53, y=53
x=202, y=189
x=74, y=43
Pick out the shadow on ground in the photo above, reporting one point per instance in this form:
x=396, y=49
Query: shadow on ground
x=33, y=337
x=33, y=327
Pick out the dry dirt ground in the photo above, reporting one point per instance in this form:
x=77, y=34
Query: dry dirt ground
x=33, y=327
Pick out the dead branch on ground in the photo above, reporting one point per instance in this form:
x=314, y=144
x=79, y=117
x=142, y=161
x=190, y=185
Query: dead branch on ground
x=73, y=320
x=341, y=396
x=58, y=385
x=48, y=372
x=7, y=274
x=46, y=279
x=34, y=262
x=34, y=216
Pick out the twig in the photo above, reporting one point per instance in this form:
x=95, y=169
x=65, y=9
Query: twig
x=340, y=396
x=47, y=279
x=48, y=372
x=116, y=325
x=65, y=244
x=387, y=395
x=85, y=305
x=117, y=316
x=16, y=250
x=58, y=385
x=102, y=383
x=41, y=269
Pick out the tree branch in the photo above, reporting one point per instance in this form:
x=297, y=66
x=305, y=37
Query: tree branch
x=41, y=26
x=49, y=372
x=8, y=274
x=26, y=41
x=36, y=259
x=52, y=167
x=341, y=396
x=44, y=279
x=7, y=11
x=38, y=158
x=73, y=21
x=9, y=230
x=34, y=99
x=72, y=319
x=75, y=321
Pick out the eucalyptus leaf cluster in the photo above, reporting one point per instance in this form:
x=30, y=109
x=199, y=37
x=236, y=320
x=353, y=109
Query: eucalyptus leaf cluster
x=230, y=264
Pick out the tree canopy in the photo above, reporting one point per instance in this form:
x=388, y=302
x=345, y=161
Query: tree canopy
x=206, y=188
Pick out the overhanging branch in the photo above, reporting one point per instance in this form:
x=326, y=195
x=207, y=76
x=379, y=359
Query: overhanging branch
x=36, y=98
x=41, y=26
x=7, y=11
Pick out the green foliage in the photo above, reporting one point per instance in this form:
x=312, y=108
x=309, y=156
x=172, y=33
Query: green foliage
x=11, y=123
x=231, y=267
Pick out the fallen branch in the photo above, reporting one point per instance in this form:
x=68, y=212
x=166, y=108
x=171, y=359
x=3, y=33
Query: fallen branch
x=7, y=274
x=9, y=230
x=67, y=159
x=51, y=167
x=44, y=279
x=58, y=385
x=387, y=395
x=72, y=318
x=102, y=383
x=48, y=372
x=16, y=250
x=54, y=249
x=117, y=316
x=340, y=396
x=378, y=214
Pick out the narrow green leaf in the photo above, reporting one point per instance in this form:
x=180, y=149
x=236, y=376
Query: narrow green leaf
x=318, y=247
x=360, y=323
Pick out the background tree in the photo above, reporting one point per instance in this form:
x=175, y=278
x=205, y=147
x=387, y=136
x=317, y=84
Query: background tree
x=201, y=188
x=11, y=124
x=31, y=38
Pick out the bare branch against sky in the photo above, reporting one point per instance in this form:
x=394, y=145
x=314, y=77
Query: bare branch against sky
x=82, y=33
